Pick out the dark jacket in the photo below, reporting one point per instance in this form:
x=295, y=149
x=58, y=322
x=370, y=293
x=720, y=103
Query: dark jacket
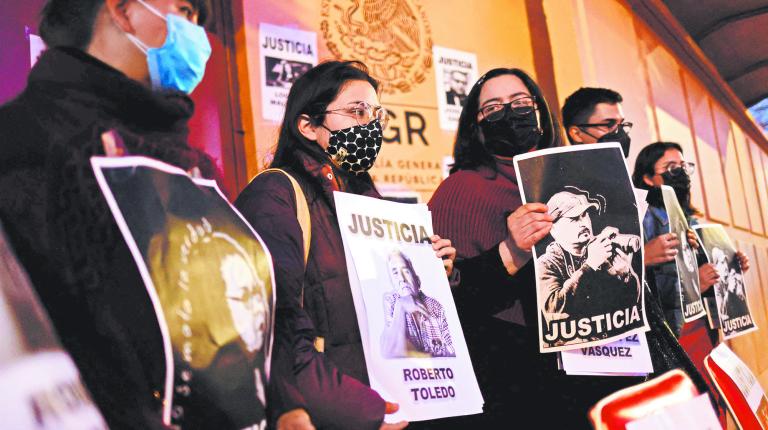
x=331, y=385
x=63, y=232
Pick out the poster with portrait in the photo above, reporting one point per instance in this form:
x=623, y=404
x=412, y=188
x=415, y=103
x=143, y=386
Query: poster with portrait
x=412, y=338
x=685, y=259
x=739, y=387
x=40, y=386
x=285, y=54
x=589, y=268
x=210, y=279
x=730, y=290
x=455, y=73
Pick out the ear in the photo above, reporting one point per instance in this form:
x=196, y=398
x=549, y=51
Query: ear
x=647, y=179
x=120, y=12
x=575, y=134
x=306, y=128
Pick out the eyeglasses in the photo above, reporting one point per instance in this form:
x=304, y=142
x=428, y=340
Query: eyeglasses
x=676, y=169
x=364, y=113
x=609, y=125
x=519, y=106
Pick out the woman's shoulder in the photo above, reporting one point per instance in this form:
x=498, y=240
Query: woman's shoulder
x=460, y=184
x=269, y=187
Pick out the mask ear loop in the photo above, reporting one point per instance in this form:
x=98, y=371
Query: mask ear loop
x=152, y=9
x=138, y=43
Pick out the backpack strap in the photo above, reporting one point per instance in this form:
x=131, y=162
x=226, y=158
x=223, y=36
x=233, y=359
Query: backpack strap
x=302, y=214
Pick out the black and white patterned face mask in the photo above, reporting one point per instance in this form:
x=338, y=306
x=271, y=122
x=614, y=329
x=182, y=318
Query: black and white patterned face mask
x=355, y=149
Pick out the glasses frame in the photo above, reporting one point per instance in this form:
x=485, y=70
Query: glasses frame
x=688, y=167
x=490, y=117
x=374, y=112
x=626, y=125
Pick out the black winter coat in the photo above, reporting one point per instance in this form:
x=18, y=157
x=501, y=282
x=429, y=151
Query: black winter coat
x=62, y=230
x=331, y=385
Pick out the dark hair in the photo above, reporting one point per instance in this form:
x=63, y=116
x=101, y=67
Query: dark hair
x=646, y=161
x=310, y=95
x=69, y=23
x=581, y=105
x=469, y=151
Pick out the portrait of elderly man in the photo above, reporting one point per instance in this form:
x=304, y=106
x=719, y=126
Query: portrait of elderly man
x=581, y=274
x=415, y=324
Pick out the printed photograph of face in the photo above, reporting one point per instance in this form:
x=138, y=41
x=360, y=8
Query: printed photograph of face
x=730, y=288
x=246, y=299
x=283, y=73
x=415, y=324
x=456, y=82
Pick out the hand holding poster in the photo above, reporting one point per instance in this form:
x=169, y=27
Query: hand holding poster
x=589, y=270
x=685, y=259
x=730, y=291
x=741, y=390
x=210, y=280
x=412, y=338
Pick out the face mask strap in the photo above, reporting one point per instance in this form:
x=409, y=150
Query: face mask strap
x=138, y=43
x=152, y=9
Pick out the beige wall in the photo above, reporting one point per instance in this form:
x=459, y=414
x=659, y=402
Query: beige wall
x=594, y=43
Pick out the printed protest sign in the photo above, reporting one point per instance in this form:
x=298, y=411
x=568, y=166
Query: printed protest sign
x=285, y=53
x=412, y=338
x=625, y=357
x=730, y=290
x=589, y=269
x=741, y=390
x=40, y=386
x=210, y=279
x=685, y=260
x=455, y=73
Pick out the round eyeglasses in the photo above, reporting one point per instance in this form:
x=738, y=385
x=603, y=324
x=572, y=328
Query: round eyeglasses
x=363, y=113
x=520, y=106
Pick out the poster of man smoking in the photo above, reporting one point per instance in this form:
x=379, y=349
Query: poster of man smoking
x=589, y=270
x=414, y=346
x=730, y=290
x=210, y=279
x=685, y=259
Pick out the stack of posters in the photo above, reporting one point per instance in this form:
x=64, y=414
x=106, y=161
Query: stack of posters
x=210, y=279
x=412, y=338
x=589, y=269
x=685, y=260
x=730, y=291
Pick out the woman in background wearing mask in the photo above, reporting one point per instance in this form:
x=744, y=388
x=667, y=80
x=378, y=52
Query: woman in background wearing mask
x=93, y=78
x=330, y=137
x=479, y=207
x=662, y=163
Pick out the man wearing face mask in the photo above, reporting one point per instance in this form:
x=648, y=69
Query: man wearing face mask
x=112, y=65
x=592, y=115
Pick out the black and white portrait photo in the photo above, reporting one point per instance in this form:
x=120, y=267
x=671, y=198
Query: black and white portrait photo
x=415, y=324
x=730, y=290
x=685, y=259
x=589, y=268
x=456, y=83
x=283, y=73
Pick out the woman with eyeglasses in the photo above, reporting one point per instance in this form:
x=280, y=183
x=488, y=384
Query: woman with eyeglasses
x=662, y=163
x=479, y=207
x=330, y=136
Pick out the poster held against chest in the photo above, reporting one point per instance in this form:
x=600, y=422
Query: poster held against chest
x=455, y=72
x=730, y=290
x=210, y=279
x=589, y=269
x=685, y=260
x=412, y=338
x=286, y=54
x=741, y=390
x=40, y=386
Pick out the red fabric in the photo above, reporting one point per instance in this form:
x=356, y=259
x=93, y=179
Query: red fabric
x=471, y=206
x=696, y=342
x=632, y=403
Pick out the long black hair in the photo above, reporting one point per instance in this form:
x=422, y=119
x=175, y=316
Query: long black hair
x=310, y=95
x=469, y=151
x=645, y=163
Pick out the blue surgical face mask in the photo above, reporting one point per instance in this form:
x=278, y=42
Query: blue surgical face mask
x=180, y=63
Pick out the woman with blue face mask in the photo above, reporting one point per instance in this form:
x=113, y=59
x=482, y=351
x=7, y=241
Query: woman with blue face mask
x=122, y=65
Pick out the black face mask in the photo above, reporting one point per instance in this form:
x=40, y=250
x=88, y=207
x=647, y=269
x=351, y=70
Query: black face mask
x=618, y=135
x=513, y=134
x=681, y=183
